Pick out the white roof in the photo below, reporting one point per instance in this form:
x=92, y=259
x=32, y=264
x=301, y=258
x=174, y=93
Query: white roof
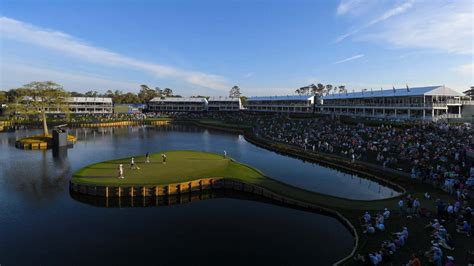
x=178, y=99
x=80, y=99
x=282, y=98
x=418, y=91
x=223, y=99
x=90, y=99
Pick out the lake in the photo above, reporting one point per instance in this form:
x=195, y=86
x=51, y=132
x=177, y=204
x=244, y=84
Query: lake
x=42, y=223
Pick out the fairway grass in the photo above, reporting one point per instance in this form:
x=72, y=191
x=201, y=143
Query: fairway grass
x=181, y=166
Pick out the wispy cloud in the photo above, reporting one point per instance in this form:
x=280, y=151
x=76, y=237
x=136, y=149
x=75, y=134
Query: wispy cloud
x=249, y=75
x=440, y=27
x=399, y=9
x=349, y=59
x=467, y=70
x=347, y=6
x=69, y=45
x=436, y=25
x=24, y=72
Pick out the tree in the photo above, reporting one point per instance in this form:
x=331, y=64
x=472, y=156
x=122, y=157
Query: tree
x=129, y=97
x=3, y=97
x=117, y=97
x=109, y=93
x=243, y=100
x=91, y=94
x=76, y=94
x=470, y=92
x=329, y=88
x=41, y=96
x=167, y=92
x=146, y=94
x=306, y=90
x=319, y=90
x=235, y=92
x=342, y=89
x=159, y=91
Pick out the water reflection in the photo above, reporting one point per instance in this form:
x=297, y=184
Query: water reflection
x=43, y=178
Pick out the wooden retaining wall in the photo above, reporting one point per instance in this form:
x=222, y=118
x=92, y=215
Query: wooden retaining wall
x=107, y=124
x=32, y=146
x=159, y=122
x=4, y=124
x=145, y=190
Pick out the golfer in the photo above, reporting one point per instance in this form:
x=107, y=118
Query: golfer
x=163, y=157
x=147, y=156
x=133, y=165
x=120, y=170
x=225, y=154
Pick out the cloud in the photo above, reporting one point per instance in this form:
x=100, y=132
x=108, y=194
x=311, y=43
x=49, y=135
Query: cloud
x=448, y=28
x=22, y=73
x=437, y=25
x=349, y=59
x=249, y=75
x=68, y=45
x=347, y=6
x=386, y=15
x=467, y=70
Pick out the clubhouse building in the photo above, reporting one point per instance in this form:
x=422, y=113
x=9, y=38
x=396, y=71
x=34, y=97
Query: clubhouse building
x=177, y=104
x=422, y=103
x=283, y=104
x=90, y=105
x=83, y=105
x=224, y=104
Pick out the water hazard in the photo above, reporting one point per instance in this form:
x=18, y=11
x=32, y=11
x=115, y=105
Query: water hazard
x=41, y=221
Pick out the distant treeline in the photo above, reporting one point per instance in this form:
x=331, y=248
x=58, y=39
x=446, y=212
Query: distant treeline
x=143, y=96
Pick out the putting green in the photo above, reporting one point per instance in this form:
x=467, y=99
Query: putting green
x=181, y=166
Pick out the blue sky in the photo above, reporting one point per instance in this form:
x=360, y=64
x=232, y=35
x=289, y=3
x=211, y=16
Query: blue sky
x=265, y=47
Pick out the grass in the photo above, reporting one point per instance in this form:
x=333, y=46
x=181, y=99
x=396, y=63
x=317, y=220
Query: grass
x=121, y=109
x=181, y=166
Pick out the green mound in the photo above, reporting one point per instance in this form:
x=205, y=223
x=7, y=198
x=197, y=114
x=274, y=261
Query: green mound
x=181, y=166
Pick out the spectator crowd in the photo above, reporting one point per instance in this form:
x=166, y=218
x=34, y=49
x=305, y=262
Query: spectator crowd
x=430, y=152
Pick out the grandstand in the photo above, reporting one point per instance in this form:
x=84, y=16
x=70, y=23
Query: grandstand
x=421, y=103
x=224, y=104
x=283, y=104
x=84, y=105
x=177, y=104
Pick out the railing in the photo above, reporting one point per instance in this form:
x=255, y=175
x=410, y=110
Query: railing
x=398, y=116
x=369, y=105
x=466, y=102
